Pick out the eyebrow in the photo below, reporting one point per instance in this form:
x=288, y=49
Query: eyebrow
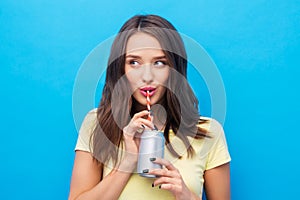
x=136, y=56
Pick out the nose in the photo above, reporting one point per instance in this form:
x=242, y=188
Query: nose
x=147, y=75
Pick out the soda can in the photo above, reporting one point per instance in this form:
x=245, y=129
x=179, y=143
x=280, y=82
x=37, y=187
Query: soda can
x=151, y=146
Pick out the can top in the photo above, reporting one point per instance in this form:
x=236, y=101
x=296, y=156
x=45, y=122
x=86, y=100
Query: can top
x=152, y=133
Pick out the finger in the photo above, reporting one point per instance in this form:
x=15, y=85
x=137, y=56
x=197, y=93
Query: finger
x=134, y=131
x=164, y=162
x=164, y=173
x=167, y=186
x=147, y=123
x=164, y=180
x=133, y=127
x=160, y=172
x=140, y=125
x=140, y=114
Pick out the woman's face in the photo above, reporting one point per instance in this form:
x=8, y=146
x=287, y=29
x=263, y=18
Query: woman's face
x=146, y=67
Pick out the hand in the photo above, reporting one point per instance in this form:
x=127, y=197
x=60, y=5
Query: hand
x=170, y=179
x=132, y=132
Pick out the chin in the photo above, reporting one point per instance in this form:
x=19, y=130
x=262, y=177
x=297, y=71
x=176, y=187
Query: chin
x=143, y=102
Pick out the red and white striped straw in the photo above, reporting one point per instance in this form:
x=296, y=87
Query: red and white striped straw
x=148, y=104
x=148, y=100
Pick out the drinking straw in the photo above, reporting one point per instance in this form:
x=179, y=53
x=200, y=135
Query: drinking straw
x=149, y=108
x=148, y=104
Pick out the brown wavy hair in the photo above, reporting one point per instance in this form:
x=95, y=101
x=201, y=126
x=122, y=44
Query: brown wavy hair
x=115, y=109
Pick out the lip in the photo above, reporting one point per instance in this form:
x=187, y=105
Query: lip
x=151, y=90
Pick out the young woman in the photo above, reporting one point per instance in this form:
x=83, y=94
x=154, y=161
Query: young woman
x=148, y=55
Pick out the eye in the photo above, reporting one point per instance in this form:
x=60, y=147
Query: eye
x=160, y=63
x=134, y=63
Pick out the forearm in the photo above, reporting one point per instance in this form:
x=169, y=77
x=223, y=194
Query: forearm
x=111, y=186
x=105, y=189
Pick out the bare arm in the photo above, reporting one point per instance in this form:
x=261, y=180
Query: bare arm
x=86, y=176
x=217, y=183
x=87, y=182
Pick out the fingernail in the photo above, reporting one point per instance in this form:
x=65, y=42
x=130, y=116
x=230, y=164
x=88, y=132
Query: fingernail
x=152, y=184
x=152, y=159
x=159, y=187
x=145, y=170
x=151, y=113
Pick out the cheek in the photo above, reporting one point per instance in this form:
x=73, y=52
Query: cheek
x=131, y=76
x=133, y=79
x=162, y=77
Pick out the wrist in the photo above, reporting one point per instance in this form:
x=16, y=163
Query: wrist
x=128, y=163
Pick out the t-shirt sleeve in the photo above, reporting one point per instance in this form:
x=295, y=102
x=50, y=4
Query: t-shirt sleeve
x=218, y=154
x=85, y=132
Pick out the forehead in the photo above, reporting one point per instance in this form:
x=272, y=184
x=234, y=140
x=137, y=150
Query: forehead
x=140, y=41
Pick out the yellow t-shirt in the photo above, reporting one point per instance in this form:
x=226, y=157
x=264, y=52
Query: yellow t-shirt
x=209, y=153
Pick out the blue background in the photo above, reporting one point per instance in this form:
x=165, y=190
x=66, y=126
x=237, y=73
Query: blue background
x=255, y=45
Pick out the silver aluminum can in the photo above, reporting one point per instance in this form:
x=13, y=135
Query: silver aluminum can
x=151, y=146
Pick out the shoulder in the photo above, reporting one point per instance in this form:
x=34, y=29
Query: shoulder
x=213, y=127
x=90, y=117
x=87, y=127
x=92, y=114
x=89, y=122
x=214, y=147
